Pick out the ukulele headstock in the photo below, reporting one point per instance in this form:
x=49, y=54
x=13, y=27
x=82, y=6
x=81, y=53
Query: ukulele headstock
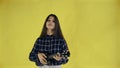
x=65, y=54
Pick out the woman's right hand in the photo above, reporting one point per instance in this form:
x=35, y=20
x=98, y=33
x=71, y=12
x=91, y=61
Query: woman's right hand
x=42, y=57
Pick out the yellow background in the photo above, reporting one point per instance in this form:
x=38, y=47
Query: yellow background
x=91, y=28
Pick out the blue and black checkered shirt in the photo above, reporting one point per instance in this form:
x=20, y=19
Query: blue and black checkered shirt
x=48, y=45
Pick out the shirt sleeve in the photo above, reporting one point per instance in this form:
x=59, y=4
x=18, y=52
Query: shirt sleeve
x=65, y=59
x=33, y=54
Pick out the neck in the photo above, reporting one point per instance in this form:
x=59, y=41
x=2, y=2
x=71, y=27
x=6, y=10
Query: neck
x=49, y=32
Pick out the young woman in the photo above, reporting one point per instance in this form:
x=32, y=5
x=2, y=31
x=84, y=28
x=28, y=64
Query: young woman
x=50, y=50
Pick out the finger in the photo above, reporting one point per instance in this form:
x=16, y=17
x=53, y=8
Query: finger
x=44, y=55
x=44, y=59
x=54, y=57
x=43, y=62
x=58, y=54
x=57, y=58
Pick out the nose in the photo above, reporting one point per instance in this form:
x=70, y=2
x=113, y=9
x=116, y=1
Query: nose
x=50, y=21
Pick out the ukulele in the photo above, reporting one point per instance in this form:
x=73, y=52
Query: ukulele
x=64, y=54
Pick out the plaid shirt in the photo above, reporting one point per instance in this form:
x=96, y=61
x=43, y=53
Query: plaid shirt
x=48, y=45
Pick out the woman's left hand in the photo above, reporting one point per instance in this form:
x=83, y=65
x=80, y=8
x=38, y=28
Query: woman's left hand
x=57, y=57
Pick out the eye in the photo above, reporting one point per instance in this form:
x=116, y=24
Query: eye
x=48, y=20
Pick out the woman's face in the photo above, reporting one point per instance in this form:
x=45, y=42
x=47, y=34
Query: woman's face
x=50, y=24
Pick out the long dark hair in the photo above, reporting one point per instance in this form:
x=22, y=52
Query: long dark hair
x=57, y=30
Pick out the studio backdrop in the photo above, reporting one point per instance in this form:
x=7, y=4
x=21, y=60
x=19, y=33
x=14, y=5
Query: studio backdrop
x=90, y=27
